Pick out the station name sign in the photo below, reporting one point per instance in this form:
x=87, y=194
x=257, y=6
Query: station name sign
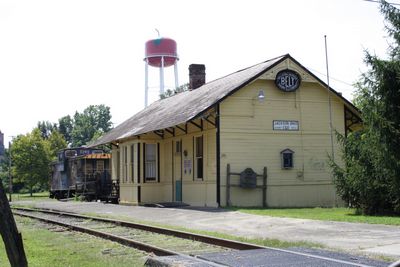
x=287, y=80
x=281, y=125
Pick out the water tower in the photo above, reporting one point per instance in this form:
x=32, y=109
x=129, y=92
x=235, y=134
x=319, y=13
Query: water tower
x=160, y=53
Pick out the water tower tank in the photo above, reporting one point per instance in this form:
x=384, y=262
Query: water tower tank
x=161, y=48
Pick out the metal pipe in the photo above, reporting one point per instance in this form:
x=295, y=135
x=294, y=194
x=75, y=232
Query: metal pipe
x=329, y=99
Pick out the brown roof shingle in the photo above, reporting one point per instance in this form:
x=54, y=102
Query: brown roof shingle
x=186, y=106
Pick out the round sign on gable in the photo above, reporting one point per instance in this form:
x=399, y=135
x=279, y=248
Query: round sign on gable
x=287, y=80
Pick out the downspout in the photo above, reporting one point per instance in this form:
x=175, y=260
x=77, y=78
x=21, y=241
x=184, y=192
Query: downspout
x=218, y=154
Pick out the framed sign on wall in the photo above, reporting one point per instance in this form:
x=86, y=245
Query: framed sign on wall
x=287, y=80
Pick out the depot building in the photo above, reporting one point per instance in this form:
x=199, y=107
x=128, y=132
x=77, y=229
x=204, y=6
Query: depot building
x=260, y=136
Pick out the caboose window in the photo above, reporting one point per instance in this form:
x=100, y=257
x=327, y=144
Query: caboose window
x=70, y=153
x=88, y=168
x=100, y=165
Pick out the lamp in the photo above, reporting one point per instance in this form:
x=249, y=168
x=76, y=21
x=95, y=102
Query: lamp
x=261, y=96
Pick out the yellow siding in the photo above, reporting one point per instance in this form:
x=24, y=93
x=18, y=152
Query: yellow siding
x=198, y=192
x=248, y=140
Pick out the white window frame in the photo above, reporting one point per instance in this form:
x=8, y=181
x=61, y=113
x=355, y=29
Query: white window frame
x=150, y=163
x=198, y=157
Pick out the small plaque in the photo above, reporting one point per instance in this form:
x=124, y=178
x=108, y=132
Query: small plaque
x=287, y=80
x=248, y=178
x=282, y=125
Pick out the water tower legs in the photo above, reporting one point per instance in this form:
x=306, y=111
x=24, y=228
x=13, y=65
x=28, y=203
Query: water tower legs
x=176, y=74
x=162, y=76
x=146, y=83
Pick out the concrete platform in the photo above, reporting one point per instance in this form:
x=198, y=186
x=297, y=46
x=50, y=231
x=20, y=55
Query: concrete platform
x=262, y=258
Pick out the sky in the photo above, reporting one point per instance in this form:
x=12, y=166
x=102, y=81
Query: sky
x=58, y=57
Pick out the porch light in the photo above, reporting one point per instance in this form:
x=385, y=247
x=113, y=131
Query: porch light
x=261, y=96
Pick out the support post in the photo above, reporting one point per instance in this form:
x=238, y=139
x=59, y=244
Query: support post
x=264, y=187
x=228, y=184
x=9, y=232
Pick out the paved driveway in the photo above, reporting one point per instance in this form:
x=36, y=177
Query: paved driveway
x=349, y=237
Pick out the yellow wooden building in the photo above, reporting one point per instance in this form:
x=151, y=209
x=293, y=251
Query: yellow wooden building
x=276, y=118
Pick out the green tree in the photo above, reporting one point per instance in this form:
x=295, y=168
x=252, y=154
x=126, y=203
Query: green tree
x=55, y=143
x=4, y=167
x=370, y=179
x=95, y=120
x=46, y=128
x=177, y=90
x=65, y=126
x=30, y=155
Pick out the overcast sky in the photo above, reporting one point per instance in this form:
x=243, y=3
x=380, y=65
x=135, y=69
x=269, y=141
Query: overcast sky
x=58, y=57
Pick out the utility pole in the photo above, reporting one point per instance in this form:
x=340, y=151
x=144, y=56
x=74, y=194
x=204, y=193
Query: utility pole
x=10, y=189
x=11, y=237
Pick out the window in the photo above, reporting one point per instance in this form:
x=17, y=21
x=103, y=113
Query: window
x=150, y=162
x=199, y=157
x=100, y=166
x=287, y=159
x=70, y=153
x=125, y=167
x=118, y=166
x=88, y=168
x=132, y=162
x=178, y=147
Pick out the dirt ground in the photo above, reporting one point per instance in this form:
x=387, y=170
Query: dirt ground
x=350, y=237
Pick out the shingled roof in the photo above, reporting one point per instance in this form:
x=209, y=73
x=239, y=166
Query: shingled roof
x=187, y=105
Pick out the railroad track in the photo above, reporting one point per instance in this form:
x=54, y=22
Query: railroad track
x=166, y=242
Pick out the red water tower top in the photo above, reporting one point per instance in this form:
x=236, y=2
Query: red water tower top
x=161, y=48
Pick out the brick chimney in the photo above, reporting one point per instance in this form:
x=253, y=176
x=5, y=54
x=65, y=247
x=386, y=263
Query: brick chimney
x=197, y=75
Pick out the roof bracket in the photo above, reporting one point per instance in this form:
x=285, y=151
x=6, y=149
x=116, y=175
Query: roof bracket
x=172, y=131
x=209, y=121
x=197, y=125
x=160, y=133
x=182, y=129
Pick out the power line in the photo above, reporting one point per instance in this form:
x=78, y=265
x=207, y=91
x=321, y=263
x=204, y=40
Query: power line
x=375, y=1
x=330, y=77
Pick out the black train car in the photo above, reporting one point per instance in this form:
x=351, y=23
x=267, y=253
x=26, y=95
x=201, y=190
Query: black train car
x=83, y=172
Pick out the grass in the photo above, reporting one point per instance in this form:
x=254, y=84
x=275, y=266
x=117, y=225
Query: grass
x=53, y=246
x=40, y=196
x=323, y=214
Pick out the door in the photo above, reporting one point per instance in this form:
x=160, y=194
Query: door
x=178, y=170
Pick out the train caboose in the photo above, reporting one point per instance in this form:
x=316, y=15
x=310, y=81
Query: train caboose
x=83, y=172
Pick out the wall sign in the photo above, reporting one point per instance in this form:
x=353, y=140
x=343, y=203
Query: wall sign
x=285, y=125
x=287, y=80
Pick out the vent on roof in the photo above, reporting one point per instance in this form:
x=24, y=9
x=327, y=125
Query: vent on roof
x=197, y=75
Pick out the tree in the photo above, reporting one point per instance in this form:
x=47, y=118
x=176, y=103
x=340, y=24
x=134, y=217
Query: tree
x=55, y=143
x=95, y=120
x=177, y=90
x=30, y=155
x=46, y=128
x=370, y=179
x=65, y=126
